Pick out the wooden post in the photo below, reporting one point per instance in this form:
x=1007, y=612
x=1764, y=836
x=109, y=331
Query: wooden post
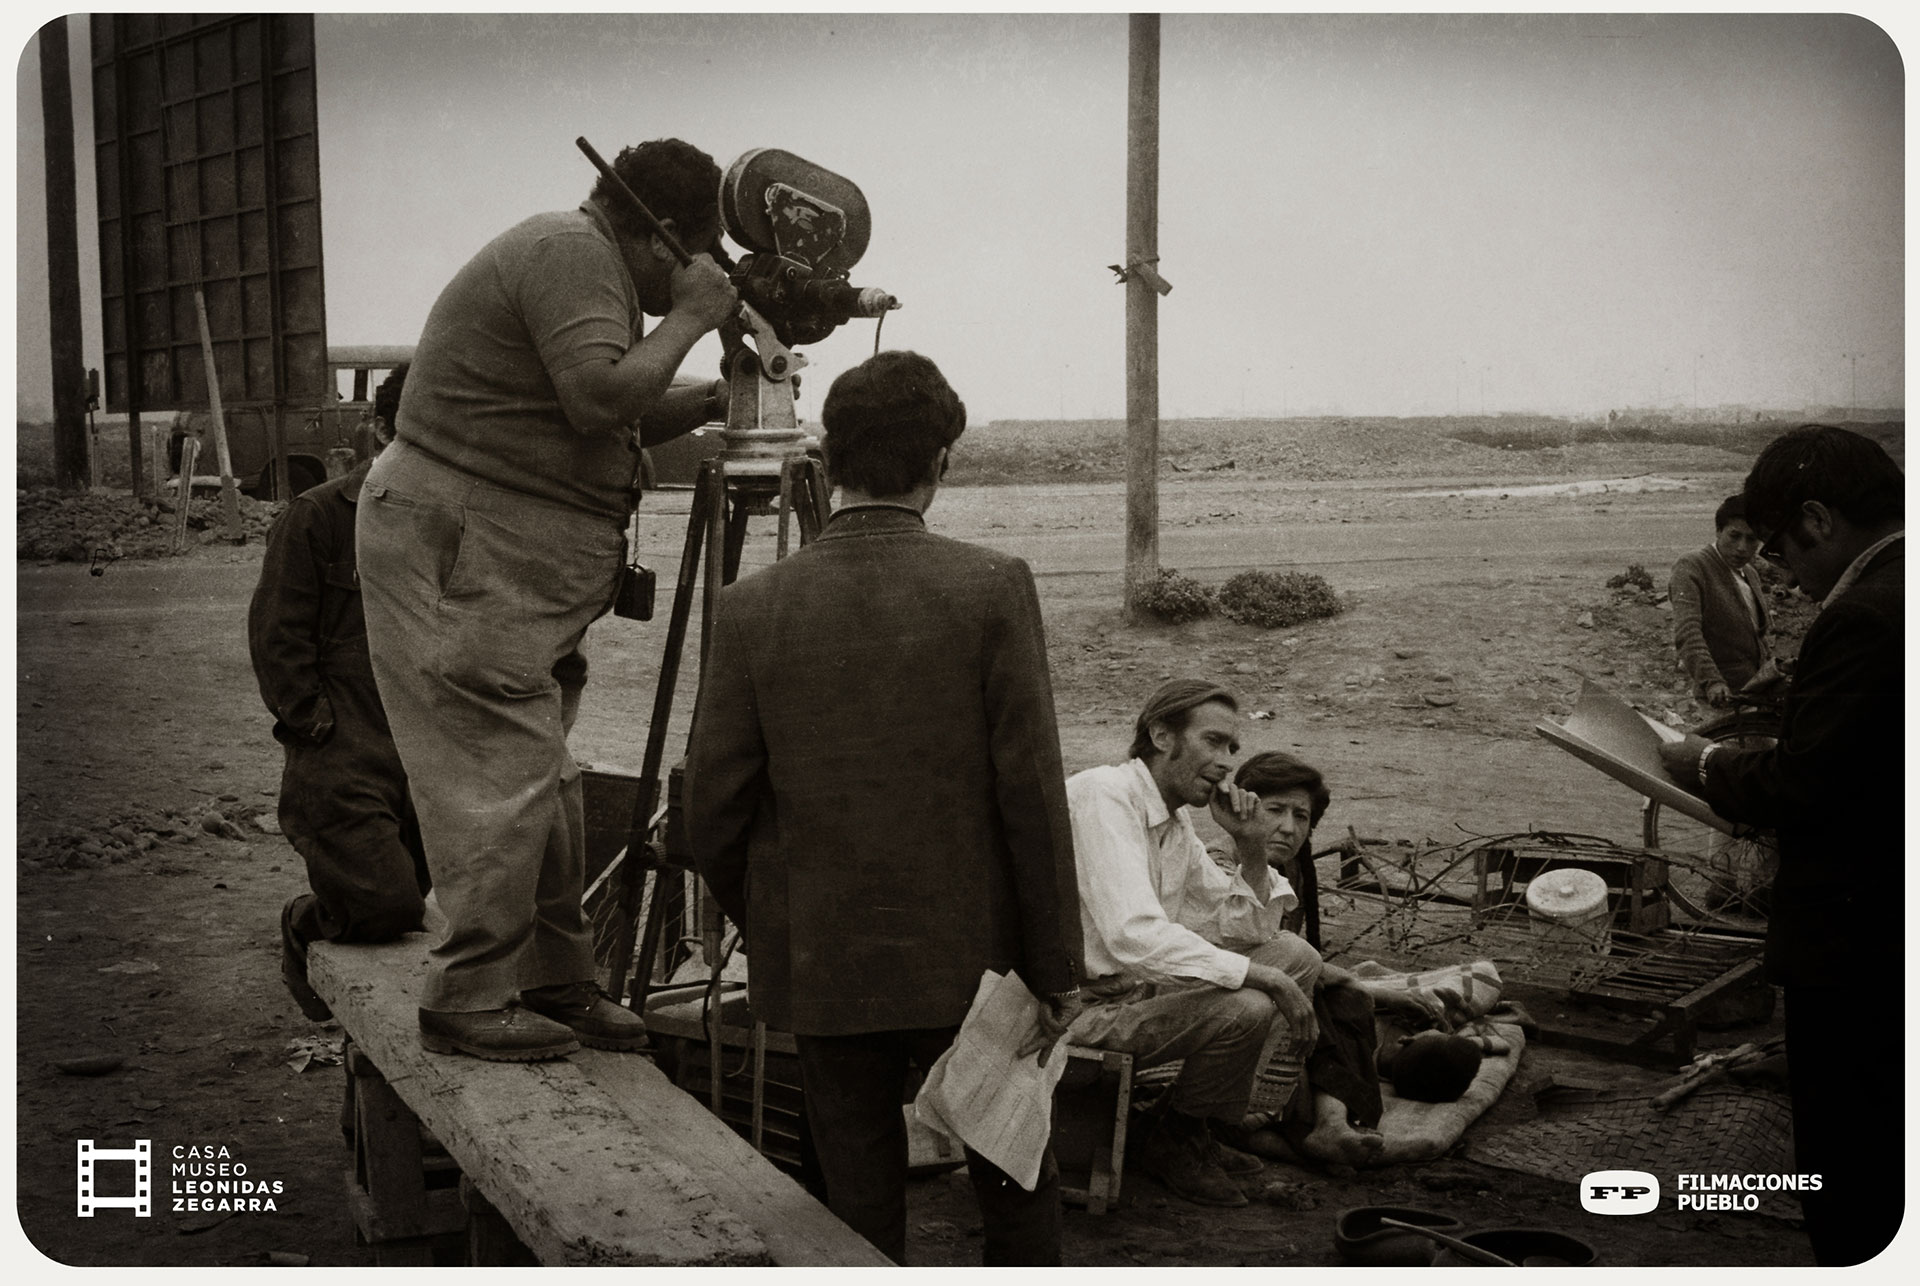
x=189, y=456
x=72, y=444
x=1143, y=305
x=229, y=494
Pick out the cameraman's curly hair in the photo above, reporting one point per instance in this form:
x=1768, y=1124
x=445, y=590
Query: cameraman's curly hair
x=677, y=180
x=885, y=421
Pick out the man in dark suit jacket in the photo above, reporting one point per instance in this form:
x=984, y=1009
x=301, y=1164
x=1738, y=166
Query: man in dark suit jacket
x=875, y=795
x=1720, y=609
x=1831, y=504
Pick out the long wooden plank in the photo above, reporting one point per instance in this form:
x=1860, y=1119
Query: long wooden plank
x=594, y=1159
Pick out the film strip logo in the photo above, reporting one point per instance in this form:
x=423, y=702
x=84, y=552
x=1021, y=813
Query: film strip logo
x=141, y=1154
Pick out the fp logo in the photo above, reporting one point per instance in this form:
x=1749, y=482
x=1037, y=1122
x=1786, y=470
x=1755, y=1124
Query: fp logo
x=1619, y=1192
x=141, y=1154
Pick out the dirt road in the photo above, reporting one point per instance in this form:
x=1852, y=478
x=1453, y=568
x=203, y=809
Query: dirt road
x=1468, y=618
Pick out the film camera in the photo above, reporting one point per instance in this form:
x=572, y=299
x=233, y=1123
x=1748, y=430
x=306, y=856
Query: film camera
x=804, y=228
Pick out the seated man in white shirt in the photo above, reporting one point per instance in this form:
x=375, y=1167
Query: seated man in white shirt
x=1156, y=988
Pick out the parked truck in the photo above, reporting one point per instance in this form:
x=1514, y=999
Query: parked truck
x=319, y=439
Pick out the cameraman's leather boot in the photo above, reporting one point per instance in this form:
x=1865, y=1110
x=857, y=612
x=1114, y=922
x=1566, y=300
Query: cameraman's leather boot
x=510, y=1035
x=596, y=1020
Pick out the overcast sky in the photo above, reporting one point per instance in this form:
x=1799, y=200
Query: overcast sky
x=1391, y=215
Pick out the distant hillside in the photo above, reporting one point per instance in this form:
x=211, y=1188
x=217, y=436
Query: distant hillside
x=1360, y=447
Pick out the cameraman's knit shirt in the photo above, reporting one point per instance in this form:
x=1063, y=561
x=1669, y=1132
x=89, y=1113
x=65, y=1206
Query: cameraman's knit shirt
x=548, y=294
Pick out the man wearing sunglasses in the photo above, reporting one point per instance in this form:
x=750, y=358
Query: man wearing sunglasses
x=1829, y=504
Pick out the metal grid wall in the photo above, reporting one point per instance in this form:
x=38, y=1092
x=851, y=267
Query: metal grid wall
x=207, y=162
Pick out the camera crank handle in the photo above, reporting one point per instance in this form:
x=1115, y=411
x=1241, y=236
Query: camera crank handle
x=632, y=198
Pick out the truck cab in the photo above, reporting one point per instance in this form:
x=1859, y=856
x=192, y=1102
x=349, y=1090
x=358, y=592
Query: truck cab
x=320, y=439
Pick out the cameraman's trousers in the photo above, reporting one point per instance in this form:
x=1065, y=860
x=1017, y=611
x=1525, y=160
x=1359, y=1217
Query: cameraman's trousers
x=476, y=600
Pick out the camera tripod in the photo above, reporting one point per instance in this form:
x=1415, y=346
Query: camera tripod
x=763, y=469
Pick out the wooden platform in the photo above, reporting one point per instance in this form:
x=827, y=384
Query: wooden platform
x=594, y=1159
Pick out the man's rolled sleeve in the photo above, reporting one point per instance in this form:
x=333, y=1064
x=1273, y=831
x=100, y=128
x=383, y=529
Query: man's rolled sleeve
x=571, y=298
x=1125, y=926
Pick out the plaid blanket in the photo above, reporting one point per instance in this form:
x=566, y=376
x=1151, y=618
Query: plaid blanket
x=1449, y=998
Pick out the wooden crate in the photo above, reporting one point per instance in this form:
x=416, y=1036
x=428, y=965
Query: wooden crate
x=1090, y=1126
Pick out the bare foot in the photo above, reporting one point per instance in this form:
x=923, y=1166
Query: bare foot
x=1337, y=1143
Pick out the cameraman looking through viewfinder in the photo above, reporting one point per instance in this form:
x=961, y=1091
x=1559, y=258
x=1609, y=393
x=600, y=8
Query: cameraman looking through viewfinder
x=491, y=534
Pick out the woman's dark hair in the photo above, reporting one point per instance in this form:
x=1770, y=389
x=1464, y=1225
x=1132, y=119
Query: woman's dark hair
x=885, y=421
x=1274, y=771
x=677, y=180
x=1173, y=704
x=1848, y=472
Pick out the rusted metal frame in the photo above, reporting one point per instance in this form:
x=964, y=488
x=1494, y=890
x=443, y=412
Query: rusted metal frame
x=129, y=288
x=276, y=333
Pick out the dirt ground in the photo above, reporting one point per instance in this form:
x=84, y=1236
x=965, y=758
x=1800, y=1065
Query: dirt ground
x=146, y=926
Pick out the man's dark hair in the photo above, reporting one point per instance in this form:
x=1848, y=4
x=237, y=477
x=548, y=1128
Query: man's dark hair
x=1173, y=704
x=367, y=441
x=386, y=398
x=886, y=419
x=1435, y=1069
x=677, y=180
x=1847, y=472
x=1274, y=771
x=1733, y=507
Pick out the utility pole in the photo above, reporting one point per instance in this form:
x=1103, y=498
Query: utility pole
x=1696, y=380
x=1853, y=386
x=70, y=446
x=1143, y=307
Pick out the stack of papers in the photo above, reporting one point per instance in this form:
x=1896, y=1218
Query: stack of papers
x=996, y=1104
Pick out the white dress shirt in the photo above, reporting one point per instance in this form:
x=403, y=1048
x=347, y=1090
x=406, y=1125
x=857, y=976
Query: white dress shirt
x=1150, y=896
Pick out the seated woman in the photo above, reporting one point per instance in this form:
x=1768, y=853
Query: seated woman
x=1333, y=1115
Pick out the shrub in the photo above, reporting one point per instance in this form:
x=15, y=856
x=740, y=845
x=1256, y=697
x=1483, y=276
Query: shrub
x=1176, y=598
x=1635, y=577
x=1276, y=599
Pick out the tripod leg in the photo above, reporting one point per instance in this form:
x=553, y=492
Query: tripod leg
x=736, y=542
x=812, y=502
x=650, y=939
x=714, y=484
x=785, y=507
x=636, y=861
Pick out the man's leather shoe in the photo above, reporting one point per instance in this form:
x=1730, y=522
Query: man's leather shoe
x=293, y=964
x=596, y=1020
x=1177, y=1158
x=510, y=1035
x=1233, y=1162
